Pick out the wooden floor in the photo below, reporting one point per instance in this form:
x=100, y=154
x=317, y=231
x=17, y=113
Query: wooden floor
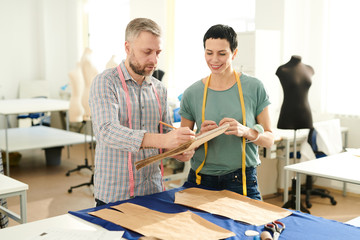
x=48, y=189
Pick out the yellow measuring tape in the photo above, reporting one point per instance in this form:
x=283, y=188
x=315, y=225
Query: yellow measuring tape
x=198, y=177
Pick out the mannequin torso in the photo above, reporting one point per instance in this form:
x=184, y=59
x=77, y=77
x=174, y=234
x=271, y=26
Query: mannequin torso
x=76, y=109
x=295, y=79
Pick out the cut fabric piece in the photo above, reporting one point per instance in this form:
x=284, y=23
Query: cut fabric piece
x=231, y=205
x=184, y=225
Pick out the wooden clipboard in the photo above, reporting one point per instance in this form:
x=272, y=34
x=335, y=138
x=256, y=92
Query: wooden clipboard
x=190, y=145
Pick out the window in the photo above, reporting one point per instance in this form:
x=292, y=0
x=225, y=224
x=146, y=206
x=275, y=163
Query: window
x=342, y=78
x=107, y=23
x=192, y=20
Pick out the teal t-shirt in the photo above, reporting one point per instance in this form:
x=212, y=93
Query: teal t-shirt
x=225, y=151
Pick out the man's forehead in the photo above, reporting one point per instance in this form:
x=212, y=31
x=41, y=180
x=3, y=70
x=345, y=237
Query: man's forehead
x=147, y=40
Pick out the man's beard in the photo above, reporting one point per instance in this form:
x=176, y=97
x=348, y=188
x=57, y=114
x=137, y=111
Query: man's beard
x=138, y=69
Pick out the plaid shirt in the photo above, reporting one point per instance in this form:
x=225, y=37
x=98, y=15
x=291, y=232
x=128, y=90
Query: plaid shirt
x=114, y=138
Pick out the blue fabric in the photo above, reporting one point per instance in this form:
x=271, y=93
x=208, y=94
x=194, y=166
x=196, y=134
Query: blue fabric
x=299, y=225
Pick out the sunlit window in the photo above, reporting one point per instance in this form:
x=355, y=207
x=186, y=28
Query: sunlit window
x=107, y=23
x=342, y=79
x=192, y=20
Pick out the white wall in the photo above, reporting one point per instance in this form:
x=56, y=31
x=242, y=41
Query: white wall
x=19, y=48
x=39, y=40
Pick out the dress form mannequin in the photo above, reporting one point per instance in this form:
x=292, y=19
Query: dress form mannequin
x=89, y=72
x=295, y=113
x=76, y=109
x=81, y=79
x=295, y=79
x=111, y=63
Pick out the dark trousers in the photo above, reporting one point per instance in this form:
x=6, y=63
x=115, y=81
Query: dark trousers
x=231, y=181
x=99, y=202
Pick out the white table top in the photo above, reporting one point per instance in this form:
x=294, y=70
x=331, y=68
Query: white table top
x=283, y=134
x=32, y=105
x=33, y=229
x=39, y=137
x=342, y=167
x=9, y=185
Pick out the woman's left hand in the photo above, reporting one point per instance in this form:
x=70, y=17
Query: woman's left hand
x=235, y=128
x=185, y=156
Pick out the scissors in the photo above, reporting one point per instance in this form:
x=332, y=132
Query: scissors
x=276, y=227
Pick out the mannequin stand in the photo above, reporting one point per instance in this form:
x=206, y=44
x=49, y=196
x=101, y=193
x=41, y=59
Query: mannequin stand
x=86, y=165
x=291, y=203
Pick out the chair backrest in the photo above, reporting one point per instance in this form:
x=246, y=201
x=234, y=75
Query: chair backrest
x=35, y=88
x=328, y=136
x=312, y=141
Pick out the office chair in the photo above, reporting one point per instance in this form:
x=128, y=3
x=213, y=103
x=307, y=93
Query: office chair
x=158, y=74
x=291, y=203
x=77, y=113
x=308, y=188
x=35, y=89
x=40, y=116
x=86, y=165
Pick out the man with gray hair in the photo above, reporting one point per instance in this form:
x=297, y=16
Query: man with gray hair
x=127, y=104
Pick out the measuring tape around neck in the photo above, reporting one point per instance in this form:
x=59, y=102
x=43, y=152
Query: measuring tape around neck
x=128, y=105
x=243, y=165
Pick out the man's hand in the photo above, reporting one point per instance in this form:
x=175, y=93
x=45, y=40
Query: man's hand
x=177, y=137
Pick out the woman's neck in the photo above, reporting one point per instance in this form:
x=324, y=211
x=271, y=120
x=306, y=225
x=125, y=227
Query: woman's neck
x=222, y=81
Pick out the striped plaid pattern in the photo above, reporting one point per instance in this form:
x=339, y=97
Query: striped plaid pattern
x=114, y=139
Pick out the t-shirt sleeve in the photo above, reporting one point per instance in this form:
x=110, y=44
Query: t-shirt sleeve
x=262, y=98
x=185, y=105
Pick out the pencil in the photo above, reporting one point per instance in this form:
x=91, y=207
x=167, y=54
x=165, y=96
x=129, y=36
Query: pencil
x=168, y=125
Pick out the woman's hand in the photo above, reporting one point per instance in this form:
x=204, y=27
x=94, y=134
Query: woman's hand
x=185, y=156
x=235, y=128
x=207, y=125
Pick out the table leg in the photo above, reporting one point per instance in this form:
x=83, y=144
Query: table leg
x=7, y=146
x=298, y=191
x=67, y=129
x=286, y=173
x=23, y=210
x=345, y=146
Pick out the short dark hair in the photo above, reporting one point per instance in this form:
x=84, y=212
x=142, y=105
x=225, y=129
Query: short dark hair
x=223, y=32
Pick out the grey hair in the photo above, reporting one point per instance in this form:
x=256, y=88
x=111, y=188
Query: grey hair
x=138, y=25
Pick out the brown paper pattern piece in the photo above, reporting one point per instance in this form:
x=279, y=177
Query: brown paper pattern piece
x=184, y=225
x=231, y=205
